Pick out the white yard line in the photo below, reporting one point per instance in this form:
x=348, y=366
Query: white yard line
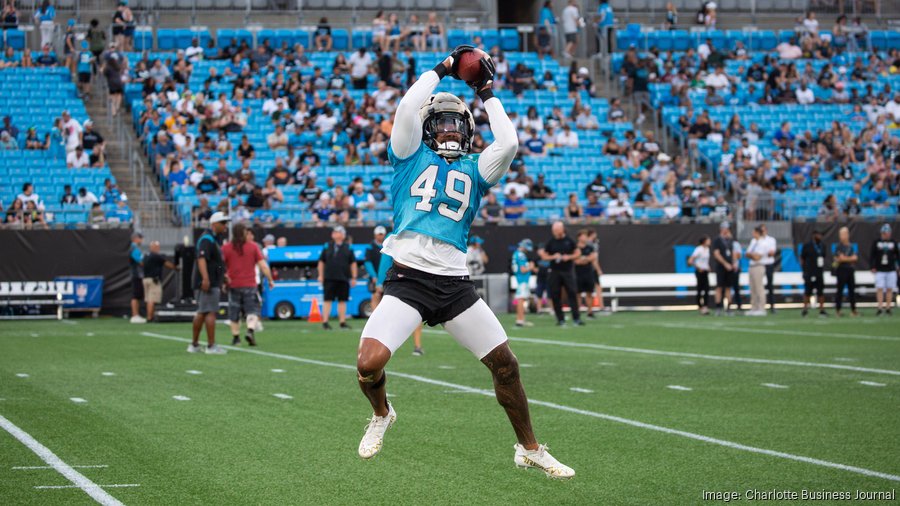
x=283, y=396
x=25, y=468
x=774, y=385
x=114, y=485
x=108, y=373
x=569, y=409
x=181, y=398
x=21, y=375
x=749, y=330
x=664, y=353
x=194, y=372
x=582, y=390
x=680, y=388
x=277, y=370
x=78, y=480
x=77, y=400
x=446, y=367
x=872, y=384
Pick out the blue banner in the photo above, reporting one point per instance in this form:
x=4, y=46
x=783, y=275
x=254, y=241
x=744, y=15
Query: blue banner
x=87, y=292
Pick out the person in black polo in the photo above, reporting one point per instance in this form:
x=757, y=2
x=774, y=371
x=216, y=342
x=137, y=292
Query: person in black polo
x=154, y=263
x=722, y=248
x=337, y=274
x=561, y=251
x=812, y=260
x=209, y=275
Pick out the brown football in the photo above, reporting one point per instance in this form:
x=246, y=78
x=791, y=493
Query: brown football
x=469, y=68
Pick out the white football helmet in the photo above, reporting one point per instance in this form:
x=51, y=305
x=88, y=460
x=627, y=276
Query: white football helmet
x=445, y=112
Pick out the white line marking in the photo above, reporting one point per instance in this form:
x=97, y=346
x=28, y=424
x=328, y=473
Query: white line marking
x=108, y=373
x=778, y=331
x=33, y=334
x=446, y=367
x=277, y=370
x=774, y=385
x=90, y=334
x=283, y=396
x=78, y=479
x=181, y=398
x=25, y=468
x=617, y=326
x=687, y=362
x=845, y=359
x=114, y=485
x=606, y=363
x=77, y=400
x=872, y=384
x=193, y=371
x=581, y=390
x=679, y=387
x=68, y=322
x=526, y=365
x=569, y=409
x=392, y=395
x=647, y=351
x=21, y=375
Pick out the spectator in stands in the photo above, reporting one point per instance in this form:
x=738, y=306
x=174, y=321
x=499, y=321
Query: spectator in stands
x=830, y=211
x=594, y=208
x=620, y=207
x=435, y=33
x=877, y=195
x=33, y=216
x=194, y=53
x=68, y=197
x=278, y=140
x=573, y=210
x=540, y=190
x=310, y=192
x=119, y=214
x=89, y=137
x=15, y=214
x=78, y=159
x=534, y=144
x=46, y=58
x=7, y=142
x=514, y=206
x=586, y=120
x=113, y=67
x=646, y=197
x=568, y=138
x=491, y=210
x=9, y=17
x=521, y=78
x=616, y=114
x=202, y=212
x=86, y=197
x=44, y=17
x=572, y=23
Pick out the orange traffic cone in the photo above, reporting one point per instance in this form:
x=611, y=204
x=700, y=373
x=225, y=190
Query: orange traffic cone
x=315, y=316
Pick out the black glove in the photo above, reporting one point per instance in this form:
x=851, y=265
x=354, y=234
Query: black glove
x=487, y=74
x=455, y=54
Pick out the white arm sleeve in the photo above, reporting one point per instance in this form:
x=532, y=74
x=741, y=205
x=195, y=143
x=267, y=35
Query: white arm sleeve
x=406, y=134
x=495, y=160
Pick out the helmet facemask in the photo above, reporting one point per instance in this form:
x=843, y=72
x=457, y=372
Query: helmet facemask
x=449, y=146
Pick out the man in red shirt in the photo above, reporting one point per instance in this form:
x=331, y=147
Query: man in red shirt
x=242, y=257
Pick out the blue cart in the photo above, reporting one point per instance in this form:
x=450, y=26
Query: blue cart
x=296, y=286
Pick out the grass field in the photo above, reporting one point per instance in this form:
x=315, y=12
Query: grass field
x=815, y=407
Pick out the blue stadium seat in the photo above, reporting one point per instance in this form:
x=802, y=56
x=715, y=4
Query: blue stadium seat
x=340, y=38
x=509, y=39
x=224, y=36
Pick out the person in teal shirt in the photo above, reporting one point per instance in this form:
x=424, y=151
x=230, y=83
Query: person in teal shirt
x=522, y=269
x=606, y=21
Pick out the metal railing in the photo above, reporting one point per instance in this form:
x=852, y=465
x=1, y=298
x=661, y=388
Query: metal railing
x=777, y=207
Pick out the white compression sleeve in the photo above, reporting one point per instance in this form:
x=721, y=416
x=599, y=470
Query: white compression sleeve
x=495, y=160
x=406, y=134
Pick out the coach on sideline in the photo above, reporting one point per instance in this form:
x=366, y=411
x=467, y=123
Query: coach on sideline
x=154, y=263
x=561, y=251
x=136, y=264
x=209, y=275
x=337, y=274
x=769, y=249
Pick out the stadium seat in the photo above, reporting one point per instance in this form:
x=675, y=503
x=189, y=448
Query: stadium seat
x=509, y=39
x=224, y=36
x=340, y=38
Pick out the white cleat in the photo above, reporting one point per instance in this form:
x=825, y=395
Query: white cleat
x=138, y=319
x=194, y=349
x=373, y=439
x=215, y=350
x=541, y=459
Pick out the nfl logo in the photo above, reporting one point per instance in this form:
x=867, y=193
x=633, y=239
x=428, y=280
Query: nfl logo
x=81, y=290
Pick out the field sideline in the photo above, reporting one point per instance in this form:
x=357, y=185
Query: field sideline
x=647, y=407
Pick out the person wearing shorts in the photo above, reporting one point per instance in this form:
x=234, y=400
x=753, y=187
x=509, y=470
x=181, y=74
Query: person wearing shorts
x=154, y=263
x=585, y=275
x=84, y=68
x=884, y=260
x=136, y=265
x=337, y=274
x=522, y=269
x=209, y=274
x=242, y=257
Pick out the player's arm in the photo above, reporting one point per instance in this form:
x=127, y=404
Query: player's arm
x=494, y=161
x=406, y=134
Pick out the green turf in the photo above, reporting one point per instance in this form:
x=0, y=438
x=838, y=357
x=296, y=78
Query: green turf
x=235, y=443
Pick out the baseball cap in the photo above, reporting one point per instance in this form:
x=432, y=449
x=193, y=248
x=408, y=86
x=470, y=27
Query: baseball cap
x=476, y=240
x=218, y=217
x=137, y=233
x=339, y=229
x=380, y=230
x=885, y=229
x=526, y=245
x=269, y=238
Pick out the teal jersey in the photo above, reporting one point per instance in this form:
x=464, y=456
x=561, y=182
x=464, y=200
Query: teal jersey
x=520, y=261
x=84, y=62
x=436, y=198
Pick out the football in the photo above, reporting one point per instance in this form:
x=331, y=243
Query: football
x=469, y=68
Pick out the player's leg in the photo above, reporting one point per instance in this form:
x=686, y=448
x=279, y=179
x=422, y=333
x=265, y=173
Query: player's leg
x=197, y=326
x=479, y=331
x=417, y=342
x=387, y=329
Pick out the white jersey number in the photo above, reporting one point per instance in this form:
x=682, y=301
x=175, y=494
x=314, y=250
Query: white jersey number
x=423, y=188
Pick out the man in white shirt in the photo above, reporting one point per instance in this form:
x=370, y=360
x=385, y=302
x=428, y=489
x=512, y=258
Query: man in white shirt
x=587, y=120
x=620, y=207
x=704, y=50
x=769, y=249
x=71, y=131
x=515, y=185
x=78, y=159
x=571, y=21
x=278, y=140
x=756, y=253
x=28, y=195
x=197, y=175
x=750, y=151
x=327, y=121
x=893, y=108
x=194, y=53
x=567, y=138
x=382, y=95
x=86, y=197
x=360, y=63
x=718, y=79
x=804, y=94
